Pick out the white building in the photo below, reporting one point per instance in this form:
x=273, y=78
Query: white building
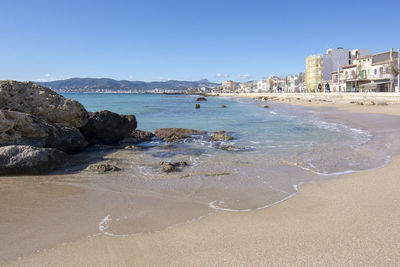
x=262, y=86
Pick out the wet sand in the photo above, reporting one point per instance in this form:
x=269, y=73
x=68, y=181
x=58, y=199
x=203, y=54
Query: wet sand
x=353, y=219
x=350, y=221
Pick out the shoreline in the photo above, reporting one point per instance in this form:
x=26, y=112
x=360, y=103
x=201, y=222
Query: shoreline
x=266, y=235
x=379, y=103
x=344, y=221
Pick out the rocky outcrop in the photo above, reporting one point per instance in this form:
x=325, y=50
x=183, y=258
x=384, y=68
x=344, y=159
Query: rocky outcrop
x=143, y=135
x=18, y=128
x=106, y=127
x=42, y=102
x=172, y=167
x=29, y=159
x=197, y=106
x=176, y=134
x=201, y=99
x=221, y=136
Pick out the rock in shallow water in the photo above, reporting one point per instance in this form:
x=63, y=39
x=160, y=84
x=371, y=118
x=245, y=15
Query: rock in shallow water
x=42, y=102
x=106, y=127
x=21, y=159
x=221, y=136
x=201, y=99
x=172, y=167
x=102, y=168
x=18, y=128
x=232, y=148
x=176, y=134
x=142, y=135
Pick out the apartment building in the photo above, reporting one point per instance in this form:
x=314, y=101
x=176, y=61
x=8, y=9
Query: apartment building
x=319, y=68
x=371, y=73
x=229, y=86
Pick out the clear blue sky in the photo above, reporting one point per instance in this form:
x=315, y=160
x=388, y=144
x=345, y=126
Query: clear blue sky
x=183, y=40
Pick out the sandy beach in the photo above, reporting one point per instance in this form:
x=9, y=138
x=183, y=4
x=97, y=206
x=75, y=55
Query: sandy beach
x=351, y=220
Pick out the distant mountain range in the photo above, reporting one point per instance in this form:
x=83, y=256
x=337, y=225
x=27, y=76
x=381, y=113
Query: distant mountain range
x=98, y=84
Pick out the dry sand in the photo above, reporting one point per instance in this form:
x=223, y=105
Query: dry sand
x=349, y=221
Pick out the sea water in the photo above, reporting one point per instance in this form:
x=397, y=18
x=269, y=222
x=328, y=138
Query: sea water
x=280, y=147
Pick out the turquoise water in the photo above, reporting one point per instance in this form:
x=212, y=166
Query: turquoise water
x=283, y=146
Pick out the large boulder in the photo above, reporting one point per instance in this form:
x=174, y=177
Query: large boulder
x=40, y=101
x=18, y=128
x=175, y=134
x=106, y=127
x=30, y=160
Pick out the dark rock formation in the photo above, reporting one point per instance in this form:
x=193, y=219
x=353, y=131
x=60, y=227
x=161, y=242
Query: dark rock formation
x=197, y=106
x=223, y=106
x=142, y=135
x=221, y=136
x=18, y=128
x=201, y=99
x=266, y=106
x=172, y=167
x=106, y=127
x=42, y=102
x=175, y=134
x=29, y=160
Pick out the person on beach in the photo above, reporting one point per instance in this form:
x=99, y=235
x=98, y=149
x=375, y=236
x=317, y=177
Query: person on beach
x=327, y=88
x=319, y=88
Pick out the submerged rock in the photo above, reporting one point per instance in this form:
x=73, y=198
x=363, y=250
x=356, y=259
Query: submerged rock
x=232, y=148
x=382, y=104
x=42, y=102
x=175, y=134
x=23, y=159
x=172, y=167
x=17, y=128
x=106, y=127
x=201, y=99
x=266, y=106
x=223, y=106
x=221, y=136
x=102, y=168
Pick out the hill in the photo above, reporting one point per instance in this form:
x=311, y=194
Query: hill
x=98, y=84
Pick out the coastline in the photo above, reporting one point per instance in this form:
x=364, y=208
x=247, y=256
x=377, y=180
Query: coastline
x=341, y=101
x=352, y=219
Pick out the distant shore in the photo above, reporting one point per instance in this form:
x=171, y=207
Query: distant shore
x=351, y=220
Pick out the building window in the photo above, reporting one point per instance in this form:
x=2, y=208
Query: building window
x=375, y=71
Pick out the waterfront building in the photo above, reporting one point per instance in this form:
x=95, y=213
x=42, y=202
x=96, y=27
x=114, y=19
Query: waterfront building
x=371, y=73
x=262, y=86
x=319, y=68
x=247, y=87
x=229, y=86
